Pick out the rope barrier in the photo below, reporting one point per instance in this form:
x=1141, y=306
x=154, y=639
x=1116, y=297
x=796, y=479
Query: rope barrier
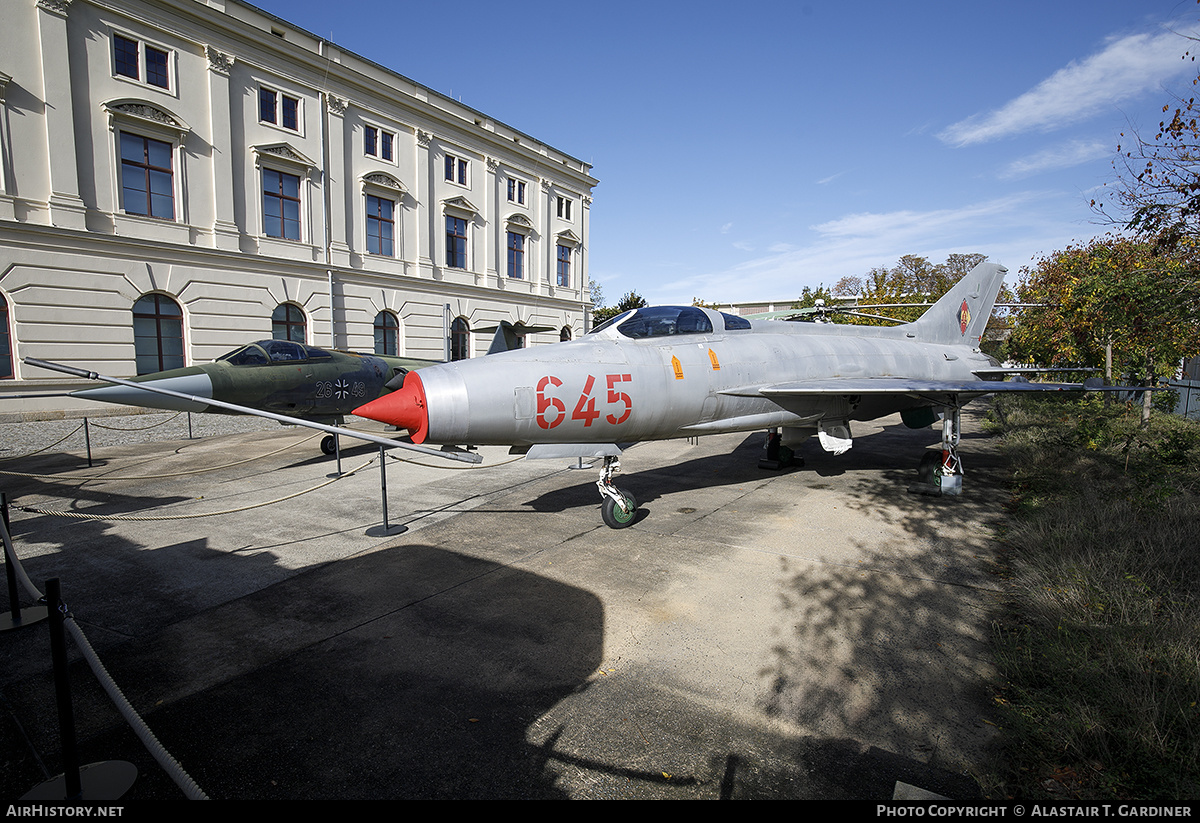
x=145, y=518
x=156, y=749
x=155, y=476
x=137, y=428
x=52, y=445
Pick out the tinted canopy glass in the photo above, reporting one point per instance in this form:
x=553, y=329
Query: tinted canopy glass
x=660, y=321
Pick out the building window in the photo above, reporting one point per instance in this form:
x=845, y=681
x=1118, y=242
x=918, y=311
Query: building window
x=381, y=226
x=387, y=334
x=157, y=334
x=460, y=339
x=281, y=204
x=564, y=334
x=564, y=208
x=456, y=242
x=516, y=255
x=6, y=367
x=147, y=180
x=378, y=143
x=516, y=191
x=279, y=109
x=456, y=169
x=128, y=62
x=287, y=323
x=564, y=265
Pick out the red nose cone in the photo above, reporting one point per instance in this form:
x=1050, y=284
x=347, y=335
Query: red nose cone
x=403, y=408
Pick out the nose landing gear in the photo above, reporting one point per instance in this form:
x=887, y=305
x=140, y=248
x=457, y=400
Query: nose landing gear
x=619, y=506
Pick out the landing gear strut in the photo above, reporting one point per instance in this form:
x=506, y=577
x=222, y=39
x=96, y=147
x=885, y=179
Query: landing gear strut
x=619, y=506
x=942, y=473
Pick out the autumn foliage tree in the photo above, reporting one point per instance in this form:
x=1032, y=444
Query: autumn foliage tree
x=914, y=280
x=1113, y=302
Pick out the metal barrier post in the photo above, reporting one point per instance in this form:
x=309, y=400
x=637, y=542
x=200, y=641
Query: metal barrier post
x=62, y=691
x=386, y=529
x=15, y=619
x=106, y=780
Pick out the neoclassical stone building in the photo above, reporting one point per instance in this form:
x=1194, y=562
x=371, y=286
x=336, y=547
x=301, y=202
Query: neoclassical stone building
x=178, y=177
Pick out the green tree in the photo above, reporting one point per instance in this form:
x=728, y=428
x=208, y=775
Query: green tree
x=912, y=280
x=1114, y=303
x=631, y=300
x=809, y=297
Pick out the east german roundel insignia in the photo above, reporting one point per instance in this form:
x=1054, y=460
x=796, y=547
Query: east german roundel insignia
x=964, y=317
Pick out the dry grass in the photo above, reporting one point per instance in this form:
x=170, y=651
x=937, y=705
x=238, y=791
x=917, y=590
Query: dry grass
x=1100, y=648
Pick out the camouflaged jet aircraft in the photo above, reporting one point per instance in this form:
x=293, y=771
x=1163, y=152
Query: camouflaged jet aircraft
x=671, y=372
x=277, y=376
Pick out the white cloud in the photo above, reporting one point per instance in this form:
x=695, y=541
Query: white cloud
x=1012, y=231
x=1125, y=68
x=725, y=229
x=1066, y=155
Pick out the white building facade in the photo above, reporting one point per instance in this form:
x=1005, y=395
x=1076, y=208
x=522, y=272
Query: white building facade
x=179, y=177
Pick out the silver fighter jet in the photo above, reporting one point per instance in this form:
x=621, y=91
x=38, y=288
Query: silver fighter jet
x=669, y=372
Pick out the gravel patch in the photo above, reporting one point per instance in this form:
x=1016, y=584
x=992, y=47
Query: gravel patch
x=24, y=438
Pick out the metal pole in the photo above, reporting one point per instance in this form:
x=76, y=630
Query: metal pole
x=189, y=425
x=13, y=599
x=17, y=617
x=87, y=438
x=62, y=688
x=383, y=486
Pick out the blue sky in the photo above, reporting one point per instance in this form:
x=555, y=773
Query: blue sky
x=745, y=151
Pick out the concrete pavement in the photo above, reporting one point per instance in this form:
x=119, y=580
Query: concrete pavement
x=815, y=633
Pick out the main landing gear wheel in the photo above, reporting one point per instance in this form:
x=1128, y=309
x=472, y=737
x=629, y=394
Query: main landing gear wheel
x=328, y=444
x=614, y=516
x=930, y=468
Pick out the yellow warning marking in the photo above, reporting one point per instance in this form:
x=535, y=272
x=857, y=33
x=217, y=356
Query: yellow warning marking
x=712, y=356
x=678, y=367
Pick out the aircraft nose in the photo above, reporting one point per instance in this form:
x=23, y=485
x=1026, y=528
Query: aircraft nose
x=198, y=387
x=403, y=408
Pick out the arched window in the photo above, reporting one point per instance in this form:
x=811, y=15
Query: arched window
x=565, y=334
x=287, y=323
x=157, y=334
x=460, y=336
x=387, y=334
x=6, y=367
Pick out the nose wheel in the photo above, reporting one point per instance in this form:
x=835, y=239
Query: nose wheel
x=619, y=506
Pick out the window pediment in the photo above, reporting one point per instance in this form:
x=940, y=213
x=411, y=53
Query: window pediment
x=140, y=113
x=567, y=238
x=282, y=152
x=519, y=222
x=385, y=181
x=460, y=207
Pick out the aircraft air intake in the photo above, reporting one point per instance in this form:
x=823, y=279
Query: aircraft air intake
x=403, y=408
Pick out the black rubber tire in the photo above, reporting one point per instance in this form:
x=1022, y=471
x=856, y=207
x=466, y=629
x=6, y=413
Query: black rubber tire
x=327, y=444
x=930, y=467
x=614, y=518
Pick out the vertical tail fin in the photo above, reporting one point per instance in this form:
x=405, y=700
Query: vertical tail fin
x=961, y=315
x=505, y=338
